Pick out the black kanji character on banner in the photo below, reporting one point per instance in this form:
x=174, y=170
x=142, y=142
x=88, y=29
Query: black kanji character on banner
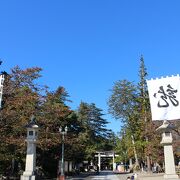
x=168, y=95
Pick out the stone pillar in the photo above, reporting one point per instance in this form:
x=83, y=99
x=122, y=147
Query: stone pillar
x=30, y=162
x=29, y=173
x=70, y=166
x=99, y=161
x=130, y=165
x=66, y=166
x=114, y=164
x=170, y=172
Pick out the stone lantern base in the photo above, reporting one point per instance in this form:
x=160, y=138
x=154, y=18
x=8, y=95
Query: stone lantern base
x=171, y=177
x=25, y=177
x=28, y=176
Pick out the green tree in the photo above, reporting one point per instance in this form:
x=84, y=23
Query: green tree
x=122, y=100
x=123, y=104
x=94, y=135
x=130, y=104
x=55, y=114
x=149, y=136
x=144, y=109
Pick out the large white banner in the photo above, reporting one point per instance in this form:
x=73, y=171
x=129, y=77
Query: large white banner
x=164, y=94
x=1, y=87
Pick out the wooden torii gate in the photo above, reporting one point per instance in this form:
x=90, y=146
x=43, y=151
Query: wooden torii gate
x=110, y=154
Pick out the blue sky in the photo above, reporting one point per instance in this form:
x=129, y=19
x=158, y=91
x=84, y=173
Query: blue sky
x=87, y=45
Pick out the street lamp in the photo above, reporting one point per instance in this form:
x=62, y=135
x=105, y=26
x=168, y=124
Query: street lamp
x=62, y=132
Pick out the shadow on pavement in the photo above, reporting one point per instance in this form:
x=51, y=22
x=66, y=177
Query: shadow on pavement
x=82, y=175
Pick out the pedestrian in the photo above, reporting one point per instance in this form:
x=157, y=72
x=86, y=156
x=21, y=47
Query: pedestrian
x=128, y=178
x=134, y=176
x=97, y=169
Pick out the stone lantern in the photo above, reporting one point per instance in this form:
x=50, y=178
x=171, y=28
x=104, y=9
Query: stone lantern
x=32, y=135
x=165, y=129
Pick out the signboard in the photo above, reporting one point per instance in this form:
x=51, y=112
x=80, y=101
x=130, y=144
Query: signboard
x=1, y=87
x=164, y=94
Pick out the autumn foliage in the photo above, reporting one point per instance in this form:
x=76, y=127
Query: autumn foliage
x=24, y=97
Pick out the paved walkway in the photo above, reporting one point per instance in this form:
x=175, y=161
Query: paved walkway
x=152, y=176
x=109, y=175
x=104, y=175
x=141, y=176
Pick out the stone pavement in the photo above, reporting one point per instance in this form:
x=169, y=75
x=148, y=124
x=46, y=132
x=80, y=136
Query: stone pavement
x=105, y=175
x=144, y=176
x=140, y=176
x=150, y=176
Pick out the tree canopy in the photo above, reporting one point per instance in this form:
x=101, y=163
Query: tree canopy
x=23, y=97
x=129, y=103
